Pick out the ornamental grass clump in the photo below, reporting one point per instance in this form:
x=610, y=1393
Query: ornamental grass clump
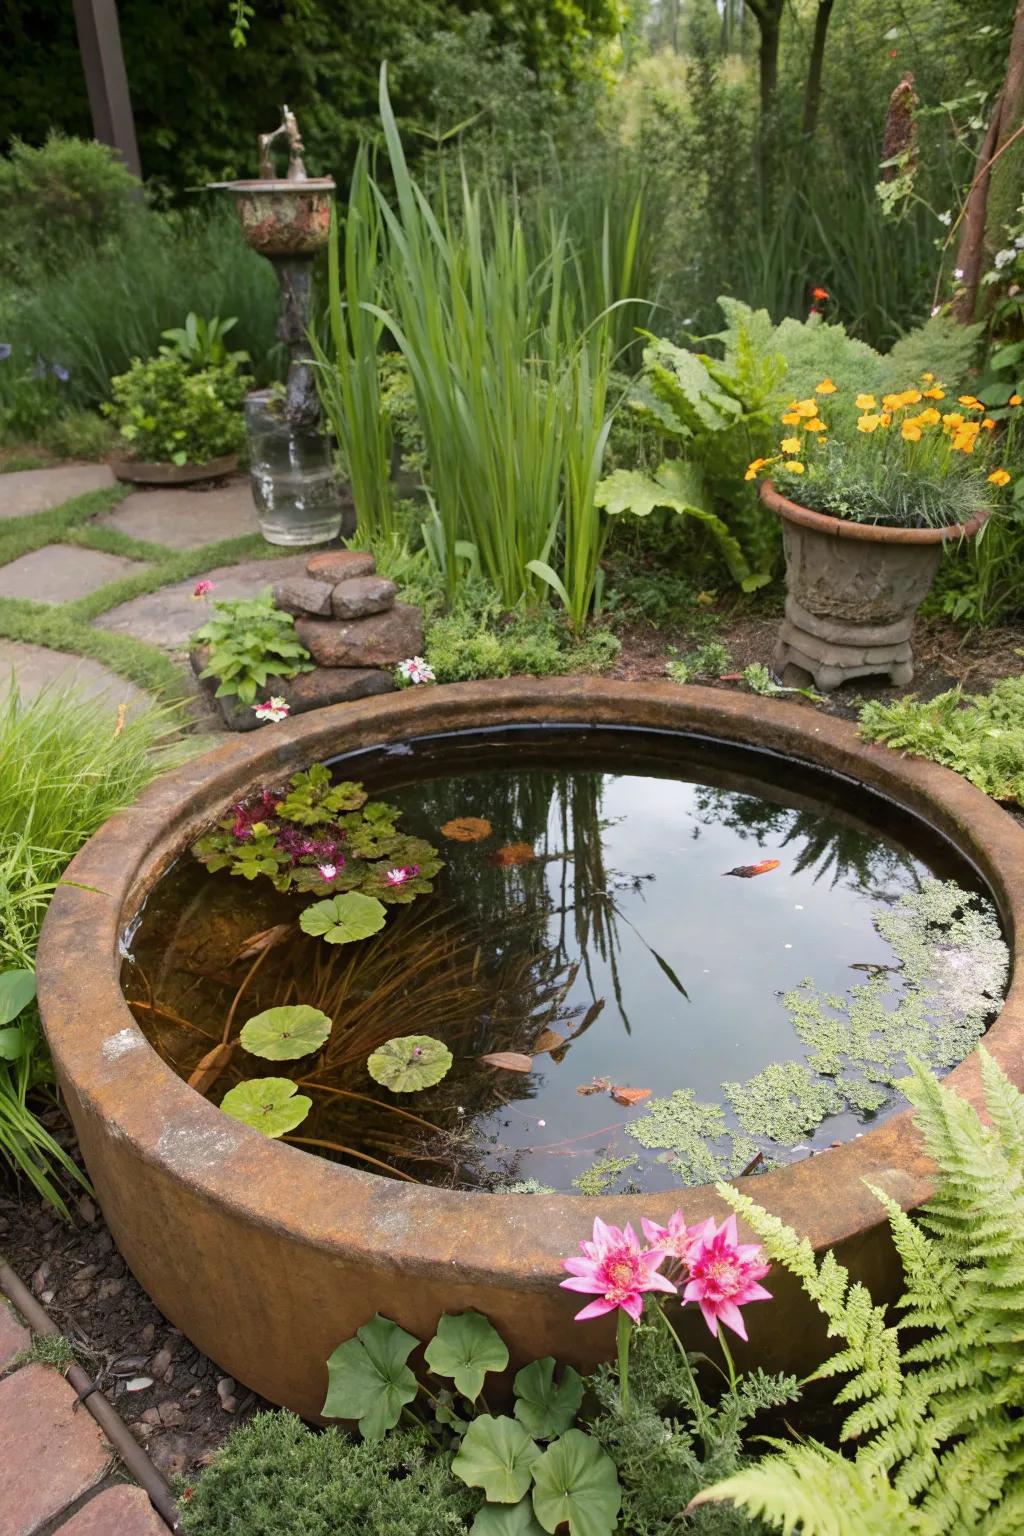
x=910, y=459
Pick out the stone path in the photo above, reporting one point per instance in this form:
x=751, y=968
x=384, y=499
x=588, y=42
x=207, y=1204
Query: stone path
x=43, y=1428
x=166, y=618
x=60, y=573
x=37, y=490
x=34, y=668
x=186, y=519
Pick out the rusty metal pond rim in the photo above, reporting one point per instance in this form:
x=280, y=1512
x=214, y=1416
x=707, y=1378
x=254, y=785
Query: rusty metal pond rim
x=133, y=1112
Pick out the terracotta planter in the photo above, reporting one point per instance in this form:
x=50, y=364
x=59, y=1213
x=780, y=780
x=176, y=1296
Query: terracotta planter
x=137, y=472
x=852, y=591
x=268, y=1257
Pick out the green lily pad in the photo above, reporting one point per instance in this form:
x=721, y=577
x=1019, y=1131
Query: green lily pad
x=506, y=1520
x=546, y=1408
x=368, y=1379
x=17, y=989
x=465, y=1348
x=344, y=919
x=269, y=1104
x=575, y=1480
x=282, y=1034
x=496, y=1455
x=409, y=1062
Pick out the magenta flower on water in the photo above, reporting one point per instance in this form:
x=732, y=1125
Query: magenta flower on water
x=676, y=1241
x=400, y=875
x=202, y=589
x=274, y=710
x=724, y=1275
x=616, y=1270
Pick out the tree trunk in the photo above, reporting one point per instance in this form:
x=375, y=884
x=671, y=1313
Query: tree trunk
x=815, y=69
x=768, y=15
x=995, y=188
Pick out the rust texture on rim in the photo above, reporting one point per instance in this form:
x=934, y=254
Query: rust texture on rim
x=266, y=1256
x=876, y=533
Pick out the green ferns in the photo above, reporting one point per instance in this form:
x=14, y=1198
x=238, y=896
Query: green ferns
x=978, y=735
x=936, y=1397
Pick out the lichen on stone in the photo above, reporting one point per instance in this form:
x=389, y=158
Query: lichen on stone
x=704, y=1147
x=784, y=1100
x=602, y=1174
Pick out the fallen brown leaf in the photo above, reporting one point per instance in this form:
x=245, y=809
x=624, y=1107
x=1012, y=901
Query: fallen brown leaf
x=512, y=854
x=548, y=1040
x=207, y=1071
x=748, y=871
x=629, y=1096
x=256, y=943
x=509, y=1061
x=467, y=829
x=596, y=1085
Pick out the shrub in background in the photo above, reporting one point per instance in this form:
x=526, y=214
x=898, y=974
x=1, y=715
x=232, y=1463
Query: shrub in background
x=168, y=413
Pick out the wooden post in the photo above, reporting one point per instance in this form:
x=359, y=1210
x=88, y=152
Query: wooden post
x=99, y=40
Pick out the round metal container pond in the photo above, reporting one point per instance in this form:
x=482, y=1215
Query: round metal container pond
x=267, y=1257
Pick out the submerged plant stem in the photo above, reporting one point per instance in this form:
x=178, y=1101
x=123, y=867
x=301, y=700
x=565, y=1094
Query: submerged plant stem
x=365, y=1098
x=336, y=1146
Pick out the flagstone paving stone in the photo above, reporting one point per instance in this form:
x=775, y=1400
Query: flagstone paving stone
x=60, y=573
x=121, y=1511
x=52, y=1453
x=13, y=1337
x=35, y=667
x=37, y=490
x=167, y=618
x=186, y=519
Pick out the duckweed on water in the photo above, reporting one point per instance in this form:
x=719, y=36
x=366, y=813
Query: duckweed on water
x=783, y=1100
x=602, y=1174
x=704, y=1148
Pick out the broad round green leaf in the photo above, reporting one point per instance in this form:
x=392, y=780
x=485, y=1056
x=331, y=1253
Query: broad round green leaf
x=282, y=1034
x=506, y=1520
x=546, y=1408
x=368, y=1379
x=344, y=919
x=496, y=1455
x=14, y=1043
x=465, y=1348
x=576, y=1480
x=17, y=989
x=409, y=1062
x=269, y=1104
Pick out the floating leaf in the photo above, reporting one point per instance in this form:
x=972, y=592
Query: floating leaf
x=496, y=1455
x=282, y=1034
x=629, y=1096
x=368, y=1379
x=344, y=919
x=17, y=989
x=748, y=871
x=467, y=829
x=209, y=1067
x=544, y=1407
x=506, y=1520
x=465, y=1348
x=409, y=1062
x=575, y=1480
x=511, y=855
x=509, y=1061
x=596, y=1085
x=269, y=1104
x=548, y=1040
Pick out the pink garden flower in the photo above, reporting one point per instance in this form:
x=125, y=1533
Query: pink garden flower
x=616, y=1270
x=415, y=671
x=400, y=875
x=274, y=710
x=676, y=1241
x=724, y=1274
x=202, y=589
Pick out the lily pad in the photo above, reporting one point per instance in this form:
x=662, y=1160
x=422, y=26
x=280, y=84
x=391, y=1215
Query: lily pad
x=344, y=919
x=269, y=1104
x=465, y=1348
x=368, y=1378
x=467, y=829
x=282, y=1034
x=409, y=1062
x=546, y=1408
x=576, y=1481
x=496, y=1455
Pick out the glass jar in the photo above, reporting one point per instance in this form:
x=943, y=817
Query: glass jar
x=298, y=499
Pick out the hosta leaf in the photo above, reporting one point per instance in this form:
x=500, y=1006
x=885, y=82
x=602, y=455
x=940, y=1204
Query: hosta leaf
x=544, y=1407
x=282, y=1034
x=344, y=919
x=465, y=1348
x=409, y=1062
x=17, y=989
x=496, y=1455
x=506, y=1520
x=269, y=1104
x=575, y=1480
x=368, y=1378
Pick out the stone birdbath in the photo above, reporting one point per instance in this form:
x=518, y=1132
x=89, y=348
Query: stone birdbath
x=287, y=219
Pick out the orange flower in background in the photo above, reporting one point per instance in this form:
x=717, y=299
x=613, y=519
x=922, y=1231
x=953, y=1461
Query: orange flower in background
x=929, y=417
x=892, y=402
x=934, y=394
x=971, y=402
x=988, y=425
x=866, y=402
x=868, y=423
x=999, y=477
x=911, y=432
x=1014, y=400
x=885, y=418
x=814, y=425
x=826, y=387
x=790, y=445
x=806, y=407
x=953, y=419
x=791, y=419
x=819, y=294
x=795, y=466
x=754, y=469
x=911, y=397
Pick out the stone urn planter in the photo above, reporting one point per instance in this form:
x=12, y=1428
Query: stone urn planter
x=139, y=472
x=852, y=590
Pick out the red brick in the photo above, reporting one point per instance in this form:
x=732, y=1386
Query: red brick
x=121, y=1511
x=13, y=1337
x=52, y=1454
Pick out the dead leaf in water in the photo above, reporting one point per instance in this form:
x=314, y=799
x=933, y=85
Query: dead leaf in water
x=748, y=871
x=629, y=1096
x=256, y=943
x=209, y=1068
x=509, y=1061
x=548, y=1040
x=596, y=1085
x=467, y=829
x=511, y=855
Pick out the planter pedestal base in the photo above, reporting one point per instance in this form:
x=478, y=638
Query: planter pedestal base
x=831, y=652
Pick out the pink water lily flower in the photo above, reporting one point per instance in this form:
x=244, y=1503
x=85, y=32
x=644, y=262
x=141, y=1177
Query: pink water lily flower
x=616, y=1270
x=400, y=875
x=723, y=1275
x=676, y=1241
x=274, y=710
x=202, y=589
x=327, y=871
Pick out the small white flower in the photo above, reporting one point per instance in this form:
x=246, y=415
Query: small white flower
x=416, y=670
x=327, y=871
x=936, y=310
x=946, y=218
x=274, y=710
x=1019, y=243
x=1003, y=258
x=958, y=273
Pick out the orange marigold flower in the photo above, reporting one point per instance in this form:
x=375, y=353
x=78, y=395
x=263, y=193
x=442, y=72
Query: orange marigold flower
x=953, y=419
x=794, y=466
x=754, y=468
x=868, y=423
x=819, y=294
x=791, y=419
x=866, y=402
x=1014, y=400
x=826, y=387
x=929, y=378
x=885, y=418
x=934, y=394
x=790, y=445
x=814, y=425
x=971, y=402
x=892, y=402
x=999, y=477
x=911, y=432
x=929, y=417
x=988, y=425
x=806, y=407
x=911, y=397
